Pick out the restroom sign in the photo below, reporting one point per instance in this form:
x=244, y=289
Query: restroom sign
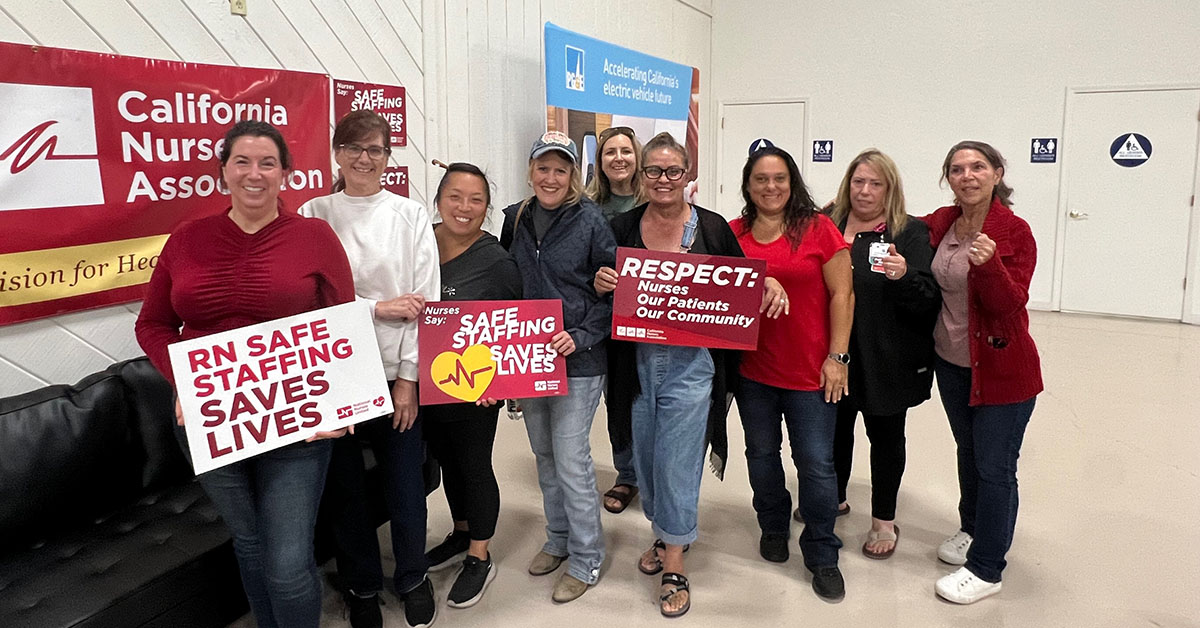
x=1043, y=150
x=822, y=151
x=1130, y=150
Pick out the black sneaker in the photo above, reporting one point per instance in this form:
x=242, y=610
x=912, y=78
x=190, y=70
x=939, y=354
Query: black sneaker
x=419, y=609
x=471, y=581
x=828, y=583
x=449, y=552
x=363, y=610
x=774, y=547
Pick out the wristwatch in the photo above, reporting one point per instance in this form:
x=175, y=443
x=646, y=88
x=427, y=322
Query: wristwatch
x=840, y=358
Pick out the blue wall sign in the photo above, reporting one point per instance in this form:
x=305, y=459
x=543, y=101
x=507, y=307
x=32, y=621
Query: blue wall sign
x=1043, y=150
x=1130, y=150
x=586, y=74
x=822, y=150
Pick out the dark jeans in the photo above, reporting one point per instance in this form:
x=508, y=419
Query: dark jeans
x=356, y=545
x=886, y=433
x=810, y=424
x=269, y=503
x=989, y=443
x=463, y=448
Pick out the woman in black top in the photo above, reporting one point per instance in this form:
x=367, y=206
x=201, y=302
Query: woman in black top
x=474, y=268
x=891, y=345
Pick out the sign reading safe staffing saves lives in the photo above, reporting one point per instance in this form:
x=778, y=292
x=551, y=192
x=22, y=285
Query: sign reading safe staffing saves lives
x=253, y=389
x=471, y=350
x=687, y=299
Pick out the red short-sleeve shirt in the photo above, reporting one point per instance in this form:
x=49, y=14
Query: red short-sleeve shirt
x=792, y=347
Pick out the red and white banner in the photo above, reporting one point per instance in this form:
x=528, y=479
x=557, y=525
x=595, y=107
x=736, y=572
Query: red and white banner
x=687, y=299
x=385, y=100
x=395, y=180
x=473, y=350
x=250, y=390
x=102, y=155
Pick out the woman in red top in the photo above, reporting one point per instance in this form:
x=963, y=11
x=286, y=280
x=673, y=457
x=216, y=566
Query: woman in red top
x=799, y=370
x=250, y=264
x=987, y=366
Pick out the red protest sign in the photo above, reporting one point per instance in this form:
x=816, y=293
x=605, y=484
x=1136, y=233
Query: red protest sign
x=395, y=180
x=256, y=388
x=385, y=100
x=471, y=350
x=687, y=299
x=102, y=155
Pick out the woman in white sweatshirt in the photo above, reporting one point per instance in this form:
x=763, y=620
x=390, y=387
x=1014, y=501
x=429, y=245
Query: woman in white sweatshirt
x=392, y=251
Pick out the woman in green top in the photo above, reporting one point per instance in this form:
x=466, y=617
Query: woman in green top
x=616, y=188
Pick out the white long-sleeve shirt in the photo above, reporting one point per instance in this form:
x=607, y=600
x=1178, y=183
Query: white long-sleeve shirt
x=389, y=240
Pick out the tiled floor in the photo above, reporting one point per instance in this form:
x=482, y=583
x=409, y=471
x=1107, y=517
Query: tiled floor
x=1110, y=486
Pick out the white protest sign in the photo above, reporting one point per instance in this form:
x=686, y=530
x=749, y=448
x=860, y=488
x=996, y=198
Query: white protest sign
x=253, y=389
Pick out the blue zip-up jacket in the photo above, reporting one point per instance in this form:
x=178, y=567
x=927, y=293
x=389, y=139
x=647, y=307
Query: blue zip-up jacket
x=562, y=267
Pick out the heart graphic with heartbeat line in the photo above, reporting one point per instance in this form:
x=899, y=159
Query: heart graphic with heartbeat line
x=464, y=376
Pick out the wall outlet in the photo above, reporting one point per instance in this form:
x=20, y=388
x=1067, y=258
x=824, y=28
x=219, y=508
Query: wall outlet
x=237, y=7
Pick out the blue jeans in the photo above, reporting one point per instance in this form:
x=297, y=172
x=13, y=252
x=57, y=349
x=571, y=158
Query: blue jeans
x=810, y=424
x=559, y=433
x=670, y=422
x=989, y=443
x=269, y=503
x=356, y=544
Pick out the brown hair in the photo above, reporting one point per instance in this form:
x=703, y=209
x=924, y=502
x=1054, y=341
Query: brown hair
x=800, y=208
x=356, y=126
x=993, y=157
x=600, y=188
x=665, y=140
x=893, y=202
x=255, y=128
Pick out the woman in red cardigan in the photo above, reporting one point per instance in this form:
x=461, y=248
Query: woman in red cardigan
x=987, y=366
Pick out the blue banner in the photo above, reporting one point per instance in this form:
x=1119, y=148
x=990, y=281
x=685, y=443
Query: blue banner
x=586, y=74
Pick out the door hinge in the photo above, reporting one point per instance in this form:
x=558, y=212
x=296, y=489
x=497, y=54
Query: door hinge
x=722, y=122
x=722, y=190
x=1185, y=284
x=1192, y=202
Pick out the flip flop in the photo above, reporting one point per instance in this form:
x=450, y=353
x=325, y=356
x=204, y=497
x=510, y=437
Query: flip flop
x=624, y=497
x=842, y=512
x=678, y=583
x=874, y=537
x=658, y=566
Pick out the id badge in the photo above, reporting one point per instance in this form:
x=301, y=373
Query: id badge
x=875, y=255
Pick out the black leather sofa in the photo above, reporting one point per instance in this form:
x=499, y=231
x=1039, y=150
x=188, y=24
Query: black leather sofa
x=101, y=521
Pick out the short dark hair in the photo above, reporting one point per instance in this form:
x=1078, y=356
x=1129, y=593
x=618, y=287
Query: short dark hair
x=993, y=157
x=800, y=207
x=255, y=128
x=465, y=168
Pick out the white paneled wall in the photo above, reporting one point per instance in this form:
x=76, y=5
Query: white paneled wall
x=472, y=70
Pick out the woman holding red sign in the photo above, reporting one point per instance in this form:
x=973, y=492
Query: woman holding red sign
x=250, y=264
x=390, y=243
x=559, y=239
x=474, y=268
x=798, y=373
x=672, y=400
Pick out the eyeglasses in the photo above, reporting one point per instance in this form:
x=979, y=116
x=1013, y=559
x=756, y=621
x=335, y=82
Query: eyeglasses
x=674, y=173
x=353, y=151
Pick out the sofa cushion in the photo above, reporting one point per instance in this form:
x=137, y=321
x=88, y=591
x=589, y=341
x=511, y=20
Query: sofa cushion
x=151, y=405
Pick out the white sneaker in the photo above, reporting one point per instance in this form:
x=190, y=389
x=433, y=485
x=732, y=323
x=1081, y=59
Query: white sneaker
x=953, y=551
x=964, y=587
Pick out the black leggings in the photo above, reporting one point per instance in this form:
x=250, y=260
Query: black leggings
x=886, y=433
x=460, y=437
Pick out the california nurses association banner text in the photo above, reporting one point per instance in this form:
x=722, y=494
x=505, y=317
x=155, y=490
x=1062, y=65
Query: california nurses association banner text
x=102, y=155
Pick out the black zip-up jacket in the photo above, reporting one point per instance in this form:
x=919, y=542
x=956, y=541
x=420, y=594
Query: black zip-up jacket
x=562, y=266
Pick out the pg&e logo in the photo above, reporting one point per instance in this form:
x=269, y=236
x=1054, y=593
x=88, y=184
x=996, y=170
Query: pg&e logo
x=574, y=68
x=48, y=155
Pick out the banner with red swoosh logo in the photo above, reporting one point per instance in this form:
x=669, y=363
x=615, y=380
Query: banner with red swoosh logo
x=102, y=155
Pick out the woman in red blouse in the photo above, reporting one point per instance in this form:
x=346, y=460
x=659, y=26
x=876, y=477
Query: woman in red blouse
x=798, y=373
x=987, y=366
x=249, y=264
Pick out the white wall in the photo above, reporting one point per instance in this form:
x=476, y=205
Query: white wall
x=912, y=78
x=472, y=69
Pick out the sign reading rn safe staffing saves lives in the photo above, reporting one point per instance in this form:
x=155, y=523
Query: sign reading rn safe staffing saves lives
x=473, y=350
x=253, y=389
x=687, y=299
x=102, y=155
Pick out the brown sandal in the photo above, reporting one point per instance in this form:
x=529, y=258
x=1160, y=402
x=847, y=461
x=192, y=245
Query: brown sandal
x=655, y=548
x=623, y=497
x=875, y=537
x=678, y=583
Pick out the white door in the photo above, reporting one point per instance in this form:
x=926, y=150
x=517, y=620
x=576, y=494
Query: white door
x=1127, y=227
x=782, y=123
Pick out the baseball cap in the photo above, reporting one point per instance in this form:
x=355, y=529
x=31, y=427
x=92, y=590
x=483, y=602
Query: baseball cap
x=555, y=140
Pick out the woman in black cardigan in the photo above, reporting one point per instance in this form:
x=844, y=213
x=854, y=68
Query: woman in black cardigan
x=891, y=345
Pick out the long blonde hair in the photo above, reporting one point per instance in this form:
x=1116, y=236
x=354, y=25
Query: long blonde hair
x=893, y=202
x=599, y=189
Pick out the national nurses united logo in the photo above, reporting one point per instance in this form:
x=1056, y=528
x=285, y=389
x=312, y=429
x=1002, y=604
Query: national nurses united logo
x=48, y=155
x=574, y=68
